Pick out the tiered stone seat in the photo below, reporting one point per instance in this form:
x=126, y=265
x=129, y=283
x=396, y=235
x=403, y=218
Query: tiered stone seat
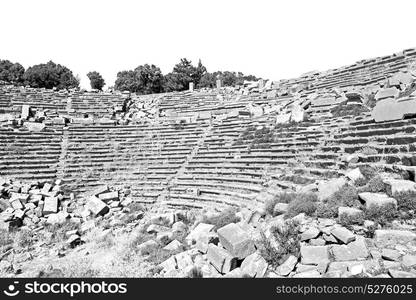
x=30, y=155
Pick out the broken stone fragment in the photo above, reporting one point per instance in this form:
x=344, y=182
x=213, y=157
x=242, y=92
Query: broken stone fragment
x=175, y=245
x=396, y=186
x=222, y=260
x=310, y=233
x=201, y=229
x=236, y=240
x=288, y=266
x=392, y=237
x=390, y=254
x=50, y=206
x=377, y=199
x=97, y=207
x=106, y=197
x=254, y=265
x=343, y=234
x=147, y=247
x=313, y=255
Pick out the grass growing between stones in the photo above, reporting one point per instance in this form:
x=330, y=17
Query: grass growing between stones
x=287, y=242
x=280, y=198
x=303, y=203
x=224, y=218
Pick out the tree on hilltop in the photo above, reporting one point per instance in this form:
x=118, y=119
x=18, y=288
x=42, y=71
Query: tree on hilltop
x=11, y=72
x=182, y=74
x=145, y=79
x=50, y=75
x=96, y=80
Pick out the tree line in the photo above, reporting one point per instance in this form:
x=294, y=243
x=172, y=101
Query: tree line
x=144, y=79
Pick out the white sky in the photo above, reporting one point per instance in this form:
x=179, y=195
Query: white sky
x=268, y=38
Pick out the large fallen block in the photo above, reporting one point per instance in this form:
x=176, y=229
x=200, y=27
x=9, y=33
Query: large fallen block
x=221, y=259
x=96, y=206
x=236, y=240
x=391, y=109
x=377, y=199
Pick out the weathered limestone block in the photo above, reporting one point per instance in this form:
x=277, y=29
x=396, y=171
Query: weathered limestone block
x=34, y=126
x=50, y=206
x=97, y=207
x=201, y=229
x=236, y=240
x=288, y=266
x=314, y=255
x=391, y=237
x=310, y=233
x=343, y=234
x=254, y=265
x=390, y=109
x=396, y=186
x=387, y=93
x=106, y=197
x=377, y=199
x=221, y=259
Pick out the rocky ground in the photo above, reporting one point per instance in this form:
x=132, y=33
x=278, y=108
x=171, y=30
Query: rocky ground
x=361, y=225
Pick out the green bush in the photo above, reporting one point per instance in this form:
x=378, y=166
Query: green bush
x=348, y=110
x=195, y=272
x=288, y=242
x=406, y=204
x=374, y=185
x=348, y=220
x=327, y=210
x=224, y=218
x=381, y=214
x=303, y=203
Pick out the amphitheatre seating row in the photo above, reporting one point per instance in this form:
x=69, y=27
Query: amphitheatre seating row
x=28, y=155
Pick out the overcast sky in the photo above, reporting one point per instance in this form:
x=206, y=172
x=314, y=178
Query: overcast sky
x=268, y=38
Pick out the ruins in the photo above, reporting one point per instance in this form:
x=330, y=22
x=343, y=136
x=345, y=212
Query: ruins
x=88, y=158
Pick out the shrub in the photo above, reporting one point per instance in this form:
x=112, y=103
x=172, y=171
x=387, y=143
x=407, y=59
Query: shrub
x=381, y=214
x=59, y=231
x=5, y=238
x=280, y=198
x=347, y=220
x=195, y=272
x=303, y=203
x=224, y=218
x=287, y=240
x=159, y=255
x=348, y=110
x=406, y=204
x=374, y=185
x=326, y=210
x=24, y=238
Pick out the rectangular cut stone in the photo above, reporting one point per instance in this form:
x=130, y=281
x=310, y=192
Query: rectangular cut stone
x=236, y=240
x=314, y=255
x=223, y=261
x=25, y=111
x=109, y=196
x=377, y=199
x=50, y=206
x=397, y=186
x=387, y=93
x=391, y=237
x=96, y=206
x=343, y=234
x=391, y=109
